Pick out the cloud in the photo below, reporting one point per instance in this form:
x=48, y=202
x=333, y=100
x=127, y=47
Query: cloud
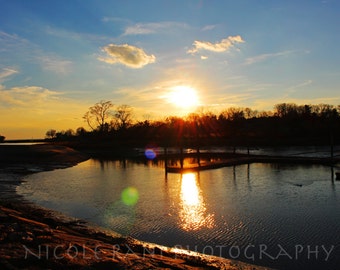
x=28, y=111
x=27, y=96
x=11, y=42
x=267, y=103
x=263, y=57
x=143, y=28
x=17, y=47
x=209, y=27
x=127, y=55
x=55, y=64
x=222, y=46
x=113, y=19
x=303, y=84
x=151, y=28
x=235, y=99
x=80, y=38
x=6, y=72
x=292, y=89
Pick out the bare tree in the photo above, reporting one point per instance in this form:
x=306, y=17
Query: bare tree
x=123, y=116
x=80, y=131
x=51, y=133
x=233, y=113
x=285, y=109
x=69, y=133
x=98, y=114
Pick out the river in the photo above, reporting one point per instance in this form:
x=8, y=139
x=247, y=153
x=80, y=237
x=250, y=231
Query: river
x=285, y=216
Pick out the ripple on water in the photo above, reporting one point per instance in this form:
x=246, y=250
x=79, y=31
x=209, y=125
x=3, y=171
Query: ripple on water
x=255, y=204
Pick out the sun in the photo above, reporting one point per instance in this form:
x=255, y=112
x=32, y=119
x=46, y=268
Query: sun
x=183, y=96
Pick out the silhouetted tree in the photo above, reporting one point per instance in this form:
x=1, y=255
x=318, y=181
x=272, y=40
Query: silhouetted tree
x=287, y=123
x=80, y=131
x=2, y=138
x=327, y=111
x=51, y=133
x=98, y=115
x=249, y=113
x=233, y=114
x=286, y=110
x=123, y=117
x=69, y=133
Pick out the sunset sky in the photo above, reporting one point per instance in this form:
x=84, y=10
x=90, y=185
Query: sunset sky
x=57, y=58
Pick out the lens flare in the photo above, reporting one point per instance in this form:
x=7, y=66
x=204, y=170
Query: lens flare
x=150, y=153
x=130, y=196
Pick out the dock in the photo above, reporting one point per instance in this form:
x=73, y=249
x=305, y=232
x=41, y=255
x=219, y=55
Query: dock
x=247, y=159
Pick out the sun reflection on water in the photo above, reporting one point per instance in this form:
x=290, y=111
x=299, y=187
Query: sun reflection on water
x=192, y=207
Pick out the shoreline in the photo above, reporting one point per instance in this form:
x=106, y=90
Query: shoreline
x=32, y=237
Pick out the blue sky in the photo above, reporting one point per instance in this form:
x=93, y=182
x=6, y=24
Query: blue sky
x=57, y=58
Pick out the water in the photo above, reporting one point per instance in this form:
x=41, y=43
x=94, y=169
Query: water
x=299, y=151
x=280, y=215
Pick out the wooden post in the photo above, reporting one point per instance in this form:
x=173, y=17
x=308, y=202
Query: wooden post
x=166, y=160
x=332, y=144
x=198, y=156
x=181, y=156
x=248, y=172
x=198, y=145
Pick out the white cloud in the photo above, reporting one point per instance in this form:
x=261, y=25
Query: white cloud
x=151, y=28
x=127, y=55
x=292, y=89
x=6, y=72
x=27, y=96
x=55, y=64
x=222, y=46
x=28, y=111
x=115, y=19
x=10, y=42
x=142, y=29
x=263, y=57
x=209, y=27
x=12, y=45
x=77, y=37
x=303, y=84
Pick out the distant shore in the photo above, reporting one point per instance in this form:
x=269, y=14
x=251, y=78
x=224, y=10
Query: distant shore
x=44, y=156
x=36, y=238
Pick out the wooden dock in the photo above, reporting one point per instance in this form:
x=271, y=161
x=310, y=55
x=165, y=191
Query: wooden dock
x=247, y=160
x=207, y=165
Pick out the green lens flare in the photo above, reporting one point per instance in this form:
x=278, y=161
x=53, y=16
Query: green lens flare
x=130, y=196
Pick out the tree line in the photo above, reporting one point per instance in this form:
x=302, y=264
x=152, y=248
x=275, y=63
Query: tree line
x=287, y=123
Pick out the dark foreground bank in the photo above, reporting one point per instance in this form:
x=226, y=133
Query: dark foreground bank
x=35, y=238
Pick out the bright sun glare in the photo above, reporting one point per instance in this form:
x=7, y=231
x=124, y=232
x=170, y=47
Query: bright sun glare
x=183, y=96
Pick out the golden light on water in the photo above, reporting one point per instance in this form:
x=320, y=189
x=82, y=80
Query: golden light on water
x=192, y=208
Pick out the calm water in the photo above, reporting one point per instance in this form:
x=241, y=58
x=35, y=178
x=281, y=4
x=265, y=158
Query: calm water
x=283, y=216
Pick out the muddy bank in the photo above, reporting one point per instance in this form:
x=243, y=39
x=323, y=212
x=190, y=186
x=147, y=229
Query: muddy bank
x=19, y=160
x=32, y=158
x=36, y=238
x=32, y=238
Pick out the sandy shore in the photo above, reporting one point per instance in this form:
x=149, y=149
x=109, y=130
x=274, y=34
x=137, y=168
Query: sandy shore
x=36, y=238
